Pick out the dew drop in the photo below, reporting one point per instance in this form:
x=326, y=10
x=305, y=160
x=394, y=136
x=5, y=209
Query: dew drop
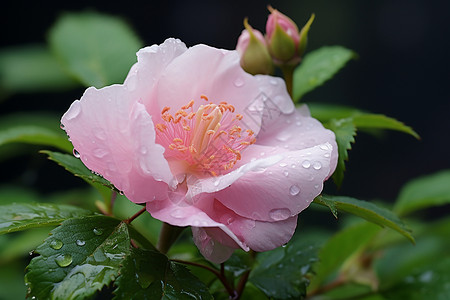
x=56, y=244
x=316, y=186
x=317, y=165
x=273, y=81
x=239, y=82
x=294, y=190
x=81, y=243
x=100, y=153
x=293, y=166
x=100, y=134
x=283, y=165
x=298, y=123
x=216, y=182
x=324, y=147
x=306, y=164
x=63, y=260
x=326, y=155
x=286, y=173
x=230, y=220
x=73, y=111
x=97, y=231
x=262, y=153
x=279, y=214
x=283, y=136
x=62, y=126
x=177, y=213
x=143, y=150
x=76, y=153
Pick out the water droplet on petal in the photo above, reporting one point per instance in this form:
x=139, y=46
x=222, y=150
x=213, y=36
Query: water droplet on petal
x=316, y=186
x=100, y=134
x=56, y=244
x=298, y=123
x=73, y=111
x=324, y=147
x=294, y=190
x=143, y=150
x=62, y=126
x=63, y=260
x=306, y=164
x=273, y=81
x=100, y=153
x=97, y=231
x=279, y=214
x=283, y=136
x=239, y=82
x=293, y=166
x=317, y=165
x=217, y=182
x=285, y=173
x=76, y=153
x=81, y=243
x=283, y=164
x=326, y=155
x=177, y=213
x=230, y=220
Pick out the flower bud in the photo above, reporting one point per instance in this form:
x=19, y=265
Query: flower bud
x=282, y=36
x=252, y=48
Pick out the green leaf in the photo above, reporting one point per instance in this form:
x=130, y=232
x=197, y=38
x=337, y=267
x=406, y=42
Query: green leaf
x=345, y=132
x=281, y=273
x=79, y=258
x=17, y=217
x=430, y=282
x=36, y=128
x=319, y=66
x=325, y=112
x=339, y=248
x=31, y=69
x=150, y=275
x=375, y=121
x=366, y=210
x=97, y=49
x=76, y=167
x=424, y=192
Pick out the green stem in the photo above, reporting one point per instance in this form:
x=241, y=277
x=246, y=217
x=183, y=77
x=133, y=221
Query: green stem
x=167, y=236
x=288, y=74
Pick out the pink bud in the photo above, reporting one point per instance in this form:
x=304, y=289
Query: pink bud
x=244, y=40
x=286, y=24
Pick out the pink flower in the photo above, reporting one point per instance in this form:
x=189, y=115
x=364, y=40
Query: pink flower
x=207, y=145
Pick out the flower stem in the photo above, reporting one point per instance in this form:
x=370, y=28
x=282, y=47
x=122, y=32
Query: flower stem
x=288, y=74
x=131, y=219
x=232, y=292
x=167, y=236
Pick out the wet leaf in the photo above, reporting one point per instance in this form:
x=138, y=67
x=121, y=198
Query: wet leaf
x=150, y=275
x=79, y=258
x=319, y=66
x=367, y=210
x=17, y=217
x=281, y=273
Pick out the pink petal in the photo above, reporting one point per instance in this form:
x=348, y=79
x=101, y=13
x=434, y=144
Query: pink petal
x=282, y=190
x=297, y=131
x=145, y=74
x=115, y=137
x=209, y=247
x=220, y=78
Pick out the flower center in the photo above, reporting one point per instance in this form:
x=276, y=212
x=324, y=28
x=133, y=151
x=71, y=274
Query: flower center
x=209, y=140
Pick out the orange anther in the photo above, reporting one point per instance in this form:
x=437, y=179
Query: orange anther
x=204, y=97
x=165, y=109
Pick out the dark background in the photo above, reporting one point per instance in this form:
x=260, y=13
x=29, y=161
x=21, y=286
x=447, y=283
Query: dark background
x=403, y=71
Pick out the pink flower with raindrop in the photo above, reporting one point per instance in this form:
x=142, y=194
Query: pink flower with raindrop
x=204, y=144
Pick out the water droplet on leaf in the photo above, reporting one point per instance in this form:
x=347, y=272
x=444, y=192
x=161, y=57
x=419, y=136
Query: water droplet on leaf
x=97, y=231
x=81, y=243
x=56, y=244
x=63, y=260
